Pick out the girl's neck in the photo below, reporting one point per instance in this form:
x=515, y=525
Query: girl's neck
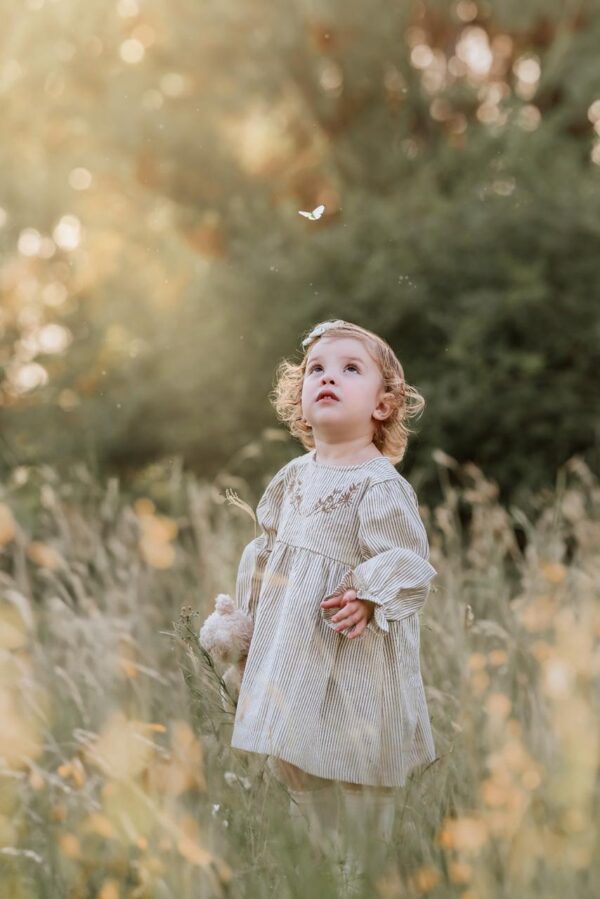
x=370, y=452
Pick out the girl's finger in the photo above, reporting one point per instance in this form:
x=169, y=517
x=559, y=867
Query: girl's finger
x=356, y=630
x=346, y=620
x=343, y=614
x=332, y=601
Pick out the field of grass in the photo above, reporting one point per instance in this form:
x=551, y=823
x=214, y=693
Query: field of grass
x=116, y=776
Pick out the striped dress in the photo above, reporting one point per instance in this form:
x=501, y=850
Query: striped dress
x=352, y=710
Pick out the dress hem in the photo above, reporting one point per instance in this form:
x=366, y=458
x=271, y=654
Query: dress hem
x=326, y=772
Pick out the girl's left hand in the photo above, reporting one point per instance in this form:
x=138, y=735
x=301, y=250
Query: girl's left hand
x=354, y=611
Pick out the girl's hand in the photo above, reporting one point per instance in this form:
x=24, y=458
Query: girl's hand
x=354, y=611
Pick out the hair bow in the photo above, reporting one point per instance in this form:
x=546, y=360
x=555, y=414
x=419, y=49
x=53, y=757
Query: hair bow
x=320, y=329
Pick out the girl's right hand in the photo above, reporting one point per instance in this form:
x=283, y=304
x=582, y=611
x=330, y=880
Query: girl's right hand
x=354, y=611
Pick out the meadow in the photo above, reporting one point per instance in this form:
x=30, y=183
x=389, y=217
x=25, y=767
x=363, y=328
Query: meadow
x=117, y=780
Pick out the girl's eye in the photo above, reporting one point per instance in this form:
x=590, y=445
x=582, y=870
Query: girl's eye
x=316, y=365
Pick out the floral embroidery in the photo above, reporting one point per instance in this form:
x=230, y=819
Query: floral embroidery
x=295, y=491
x=332, y=501
x=338, y=497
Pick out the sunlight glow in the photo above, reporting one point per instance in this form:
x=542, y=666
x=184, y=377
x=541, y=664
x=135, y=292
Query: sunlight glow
x=474, y=50
x=29, y=242
x=28, y=377
x=53, y=338
x=54, y=294
x=80, y=178
x=67, y=232
x=593, y=112
x=421, y=56
x=132, y=51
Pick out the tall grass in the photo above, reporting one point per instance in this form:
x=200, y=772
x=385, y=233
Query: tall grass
x=117, y=780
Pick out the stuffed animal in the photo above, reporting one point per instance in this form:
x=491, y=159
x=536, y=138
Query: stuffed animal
x=225, y=636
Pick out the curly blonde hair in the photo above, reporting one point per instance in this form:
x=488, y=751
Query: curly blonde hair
x=391, y=435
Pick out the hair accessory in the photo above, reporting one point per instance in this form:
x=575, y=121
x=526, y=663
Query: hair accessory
x=320, y=329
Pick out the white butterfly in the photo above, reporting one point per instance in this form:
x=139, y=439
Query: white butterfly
x=314, y=215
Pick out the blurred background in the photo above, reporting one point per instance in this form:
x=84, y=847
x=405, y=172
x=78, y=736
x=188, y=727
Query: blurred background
x=154, y=268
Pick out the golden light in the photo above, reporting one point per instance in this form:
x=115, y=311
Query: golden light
x=132, y=51
x=331, y=77
x=415, y=35
x=497, y=657
x=3, y=216
x=553, y=572
x=527, y=69
x=466, y=10
x=459, y=871
x=425, y=878
x=54, y=294
x=434, y=76
x=529, y=117
x=121, y=750
x=476, y=661
x=498, y=705
x=260, y=139
x=474, y=50
x=53, y=338
x=558, y=678
x=152, y=99
x=11, y=71
x=15, y=623
x=29, y=242
x=421, y=56
x=47, y=248
x=20, y=738
x=68, y=399
x=468, y=834
x=80, y=178
x=110, y=889
x=44, y=555
x=174, y=84
x=593, y=112
x=440, y=110
x=145, y=34
x=67, y=233
x=128, y=8
x=69, y=845
x=28, y=377
x=8, y=525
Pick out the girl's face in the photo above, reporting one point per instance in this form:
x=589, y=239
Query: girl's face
x=343, y=366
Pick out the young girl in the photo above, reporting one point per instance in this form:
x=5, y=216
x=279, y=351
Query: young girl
x=332, y=689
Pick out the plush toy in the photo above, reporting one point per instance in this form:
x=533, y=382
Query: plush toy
x=225, y=636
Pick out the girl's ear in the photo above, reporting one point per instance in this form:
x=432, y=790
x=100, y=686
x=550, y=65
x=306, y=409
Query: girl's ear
x=384, y=407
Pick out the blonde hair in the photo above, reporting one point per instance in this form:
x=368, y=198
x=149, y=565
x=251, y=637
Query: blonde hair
x=391, y=435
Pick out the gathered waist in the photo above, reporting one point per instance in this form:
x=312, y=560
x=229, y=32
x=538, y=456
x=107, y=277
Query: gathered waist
x=316, y=552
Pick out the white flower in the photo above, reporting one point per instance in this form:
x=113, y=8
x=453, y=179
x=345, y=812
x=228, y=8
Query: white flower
x=232, y=778
x=320, y=329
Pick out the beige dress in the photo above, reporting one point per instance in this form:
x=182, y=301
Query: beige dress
x=351, y=710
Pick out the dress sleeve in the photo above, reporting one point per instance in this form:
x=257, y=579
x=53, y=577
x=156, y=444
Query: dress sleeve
x=255, y=554
x=396, y=572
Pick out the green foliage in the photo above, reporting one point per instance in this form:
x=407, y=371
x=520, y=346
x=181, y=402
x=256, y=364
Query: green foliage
x=462, y=223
